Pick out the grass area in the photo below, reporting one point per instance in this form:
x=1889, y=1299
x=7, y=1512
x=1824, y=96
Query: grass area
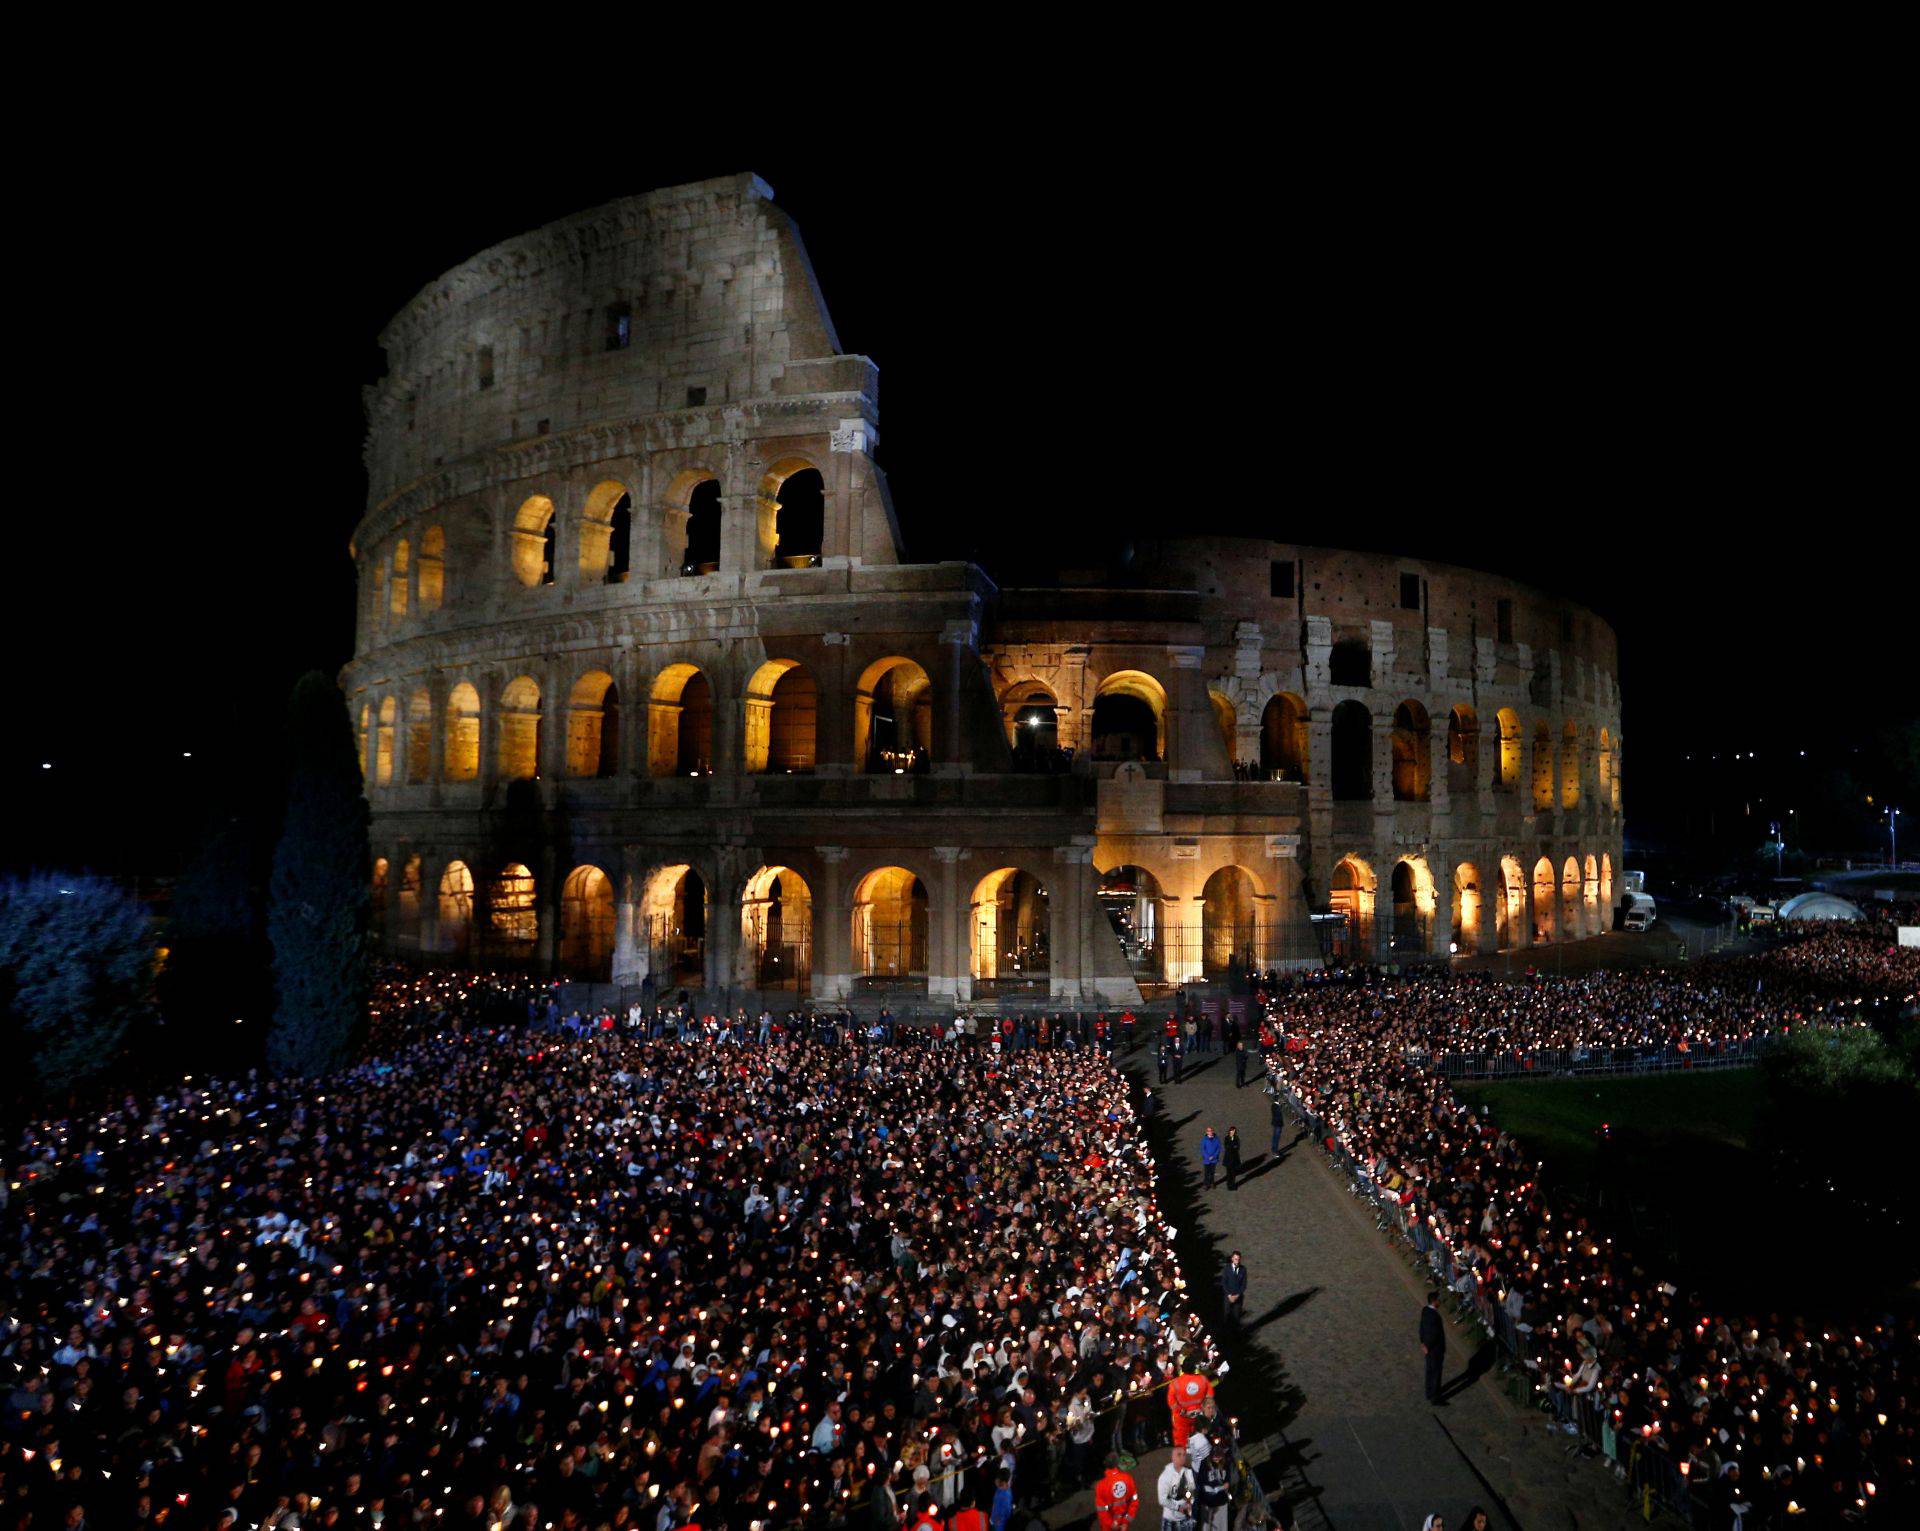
x=1653, y=1119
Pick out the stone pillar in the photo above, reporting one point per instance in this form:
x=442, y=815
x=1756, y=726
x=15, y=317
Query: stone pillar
x=1381, y=759
x=832, y=928
x=947, y=957
x=1194, y=749
x=723, y=930
x=432, y=866
x=957, y=644
x=437, y=690
x=833, y=723
x=726, y=685
x=630, y=955
x=547, y=903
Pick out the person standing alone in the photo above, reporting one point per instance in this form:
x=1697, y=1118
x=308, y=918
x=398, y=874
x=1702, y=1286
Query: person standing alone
x=1210, y=1156
x=1433, y=1344
x=1233, y=1287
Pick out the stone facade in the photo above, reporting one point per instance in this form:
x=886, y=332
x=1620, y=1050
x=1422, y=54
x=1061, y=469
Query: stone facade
x=644, y=687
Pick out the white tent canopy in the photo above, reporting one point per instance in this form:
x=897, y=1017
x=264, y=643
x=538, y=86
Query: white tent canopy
x=1819, y=906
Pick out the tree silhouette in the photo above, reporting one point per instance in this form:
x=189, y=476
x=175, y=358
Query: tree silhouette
x=76, y=970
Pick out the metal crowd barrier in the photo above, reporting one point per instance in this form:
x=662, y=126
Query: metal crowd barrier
x=1558, y=1061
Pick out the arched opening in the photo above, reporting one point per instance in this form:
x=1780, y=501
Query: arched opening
x=1231, y=939
x=456, y=908
x=1606, y=882
x=606, y=522
x=1351, y=897
x=1283, y=738
x=702, y=554
x=513, y=911
x=680, y=723
x=593, y=726
x=1542, y=769
x=366, y=741
x=1226, y=718
x=420, y=736
x=1412, y=753
x=1413, y=903
x=398, y=585
x=1512, y=905
x=1543, y=902
x=674, y=910
x=520, y=730
x=1350, y=663
x=1570, y=901
x=383, y=741
x=407, y=921
x=377, y=912
x=890, y=925
x=1131, y=897
x=1129, y=709
x=893, y=718
x=1032, y=719
x=1466, y=909
x=1009, y=931
x=1603, y=754
x=586, y=924
x=1590, y=895
x=1463, y=752
x=1570, y=766
x=799, y=518
x=1506, y=768
x=783, y=716
x=462, y=761
x=1352, y=752
x=776, y=929
x=532, y=541
x=432, y=577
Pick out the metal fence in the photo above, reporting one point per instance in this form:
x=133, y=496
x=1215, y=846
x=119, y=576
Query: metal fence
x=1557, y=1061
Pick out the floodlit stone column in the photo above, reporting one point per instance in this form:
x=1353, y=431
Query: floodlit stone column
x=832, y=928
x=947, y=955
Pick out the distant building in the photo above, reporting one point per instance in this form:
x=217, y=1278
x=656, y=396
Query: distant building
x=643, y=686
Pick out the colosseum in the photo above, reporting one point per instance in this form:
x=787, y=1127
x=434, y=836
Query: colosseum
x=648, y=694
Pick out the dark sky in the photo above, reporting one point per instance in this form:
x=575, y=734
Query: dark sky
x=1659, y=368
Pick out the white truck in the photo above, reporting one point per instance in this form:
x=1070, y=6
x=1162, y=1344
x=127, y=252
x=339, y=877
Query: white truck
x=1637, y=911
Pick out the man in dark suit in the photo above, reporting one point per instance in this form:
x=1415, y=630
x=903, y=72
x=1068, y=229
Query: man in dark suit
x=1433, y=1344
x=1233, y=1285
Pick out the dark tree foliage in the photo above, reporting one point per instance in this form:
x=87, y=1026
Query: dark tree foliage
x=217, y=970
x=76, y=971
x=319, y=899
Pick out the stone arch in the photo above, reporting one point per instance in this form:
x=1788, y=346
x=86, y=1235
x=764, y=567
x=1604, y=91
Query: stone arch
x=513, y=911
x=1603, y=757
x=1570, y=900
x=1542, y=768
x=1412, y=753
x=1606, y=882
x=890, y=924
x=593, y=726
x=1226, y=718
x=407, y=919
x=1134, y=905
x=783, y=719
x=1351, y=894
x=776, y=929
x=1009, y=928
x=420, y=736
x=1570, y=765
x=455, y=923
x=793, y=512
x=606, y=533
x=1129, y=717
x=1284, y=738
x=1590, y=895
x=1231, y=934
x=893, y=717
x=1545, y=901
x=1468, y=910
x=1031, y=715
x=673, y=921
x=1511, y=912
x=520, y=730
x=1507, y=761
x=1352, y=771
x=1413, y=905
x=680, y=723
x=400, y=583
x=366, y=743
x=384, y=740
x=693, y=523
x=532, y=541
x=1463, y=752
x=431, y=579
x=586, y=923
x=461, y=760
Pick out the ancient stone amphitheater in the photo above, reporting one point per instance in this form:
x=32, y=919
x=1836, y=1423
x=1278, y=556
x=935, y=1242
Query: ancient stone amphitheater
x=647, y=693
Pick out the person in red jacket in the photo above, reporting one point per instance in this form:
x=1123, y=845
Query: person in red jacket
x=969, y=1519
x=1115, y=1498
x=1187, y=1398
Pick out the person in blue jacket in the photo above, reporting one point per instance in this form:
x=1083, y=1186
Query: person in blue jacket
x=1210, y=1156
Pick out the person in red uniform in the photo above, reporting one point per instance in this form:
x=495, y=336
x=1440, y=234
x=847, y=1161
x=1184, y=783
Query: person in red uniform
x=969, y=1519
x=1187, y=1398
x=926, y=1518
x=1115, y=1498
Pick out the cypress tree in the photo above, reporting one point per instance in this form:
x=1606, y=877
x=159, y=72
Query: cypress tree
x=319, y=895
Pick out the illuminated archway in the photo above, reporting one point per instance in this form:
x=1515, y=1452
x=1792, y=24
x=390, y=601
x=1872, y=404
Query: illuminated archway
x=586, y=923
x=673, y=914
x=1129, y=717
x=776, y=929
x=1131, y=897
x=1570, y=901
x=1231, y=937
x=532, y=541
x=1467, y=905
x=1031, y=716
x=420, y=736
x=1570, y=765
x=593, y=726
x=1284, y=738
x=366, y=743
x=520, y=730
x=513, y=911
x=693, y=513
x=1604, y=760
x=1463, y=752
x=456, y=908
x=1009, y=933
x=893, y=718
x=1412, y=753
x=606, y=522
x=432, y=575
x=890, y=925
x=1351, y=895
x=680, y=723
x=793, y=507
x=1590, y=894
x=383, y=740
x=1544, y=901
x=1606, y=883
x=398, y=584
x=1226, y=718
x=1512, y=911
x=1413, y=906
x=462, y=759
x=783, y=715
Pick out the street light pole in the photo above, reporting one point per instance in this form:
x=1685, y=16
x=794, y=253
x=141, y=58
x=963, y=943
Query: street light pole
x=1893, y=843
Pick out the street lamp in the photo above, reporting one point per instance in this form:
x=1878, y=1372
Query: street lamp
x=1893, y=833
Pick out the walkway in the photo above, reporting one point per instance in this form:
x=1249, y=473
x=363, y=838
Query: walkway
x=1331, y=1368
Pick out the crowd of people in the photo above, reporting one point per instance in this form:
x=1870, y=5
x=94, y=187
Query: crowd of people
x=590, y=1275
x=1763, y=1417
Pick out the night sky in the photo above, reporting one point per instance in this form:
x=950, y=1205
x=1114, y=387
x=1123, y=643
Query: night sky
x=1655, y=377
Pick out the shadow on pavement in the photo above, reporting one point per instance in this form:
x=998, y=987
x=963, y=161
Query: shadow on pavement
x=1478, y=1365
x=1283, y=1307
